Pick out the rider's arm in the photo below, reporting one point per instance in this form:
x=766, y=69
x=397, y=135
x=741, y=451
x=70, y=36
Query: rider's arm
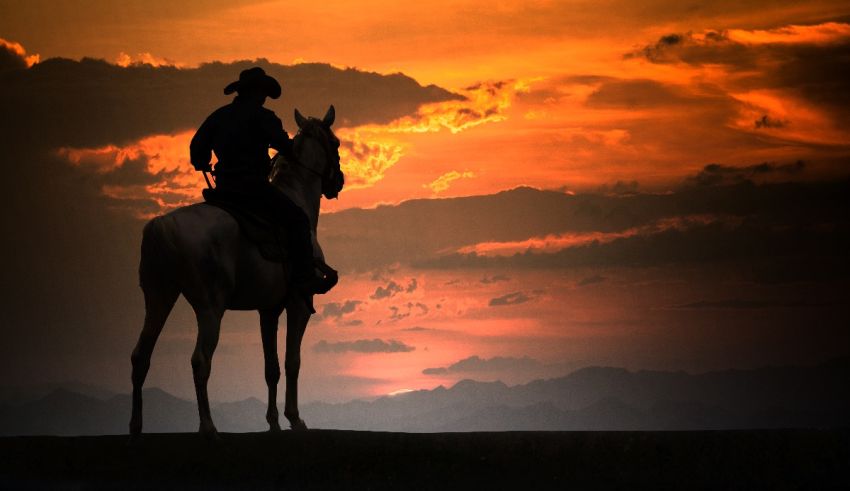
x=200, y=150
x=278, y=138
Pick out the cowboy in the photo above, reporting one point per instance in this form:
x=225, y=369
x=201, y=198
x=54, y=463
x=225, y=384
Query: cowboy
x=241, y=134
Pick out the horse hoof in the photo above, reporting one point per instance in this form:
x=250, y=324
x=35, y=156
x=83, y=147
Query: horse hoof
x=298, y=425
x=135, y=426
x=134, y=439
x=274, y=428
x=210, y=434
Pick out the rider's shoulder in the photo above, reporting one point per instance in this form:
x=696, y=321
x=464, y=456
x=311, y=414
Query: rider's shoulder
x=269, y=117
x=236, y=110
x=222, y=111
x=268, y=113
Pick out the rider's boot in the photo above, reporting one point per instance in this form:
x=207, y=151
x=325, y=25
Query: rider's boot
x=317, y=280
x=309, y=281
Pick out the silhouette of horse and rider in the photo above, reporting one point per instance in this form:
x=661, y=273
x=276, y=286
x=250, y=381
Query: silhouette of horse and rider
x=251, y=246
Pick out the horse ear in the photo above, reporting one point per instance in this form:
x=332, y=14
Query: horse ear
x=328, y=120
x=299, y=119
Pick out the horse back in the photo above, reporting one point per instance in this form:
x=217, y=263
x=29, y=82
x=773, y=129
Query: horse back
x=202, y=249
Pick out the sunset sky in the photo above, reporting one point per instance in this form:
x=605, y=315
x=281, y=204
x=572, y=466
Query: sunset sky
x=650, y=185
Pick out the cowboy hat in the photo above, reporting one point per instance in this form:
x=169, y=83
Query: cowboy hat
x=254, y=78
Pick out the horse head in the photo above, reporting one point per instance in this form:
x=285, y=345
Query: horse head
x=325, y=162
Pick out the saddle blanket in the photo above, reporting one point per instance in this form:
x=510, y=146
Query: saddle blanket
x=254, y=221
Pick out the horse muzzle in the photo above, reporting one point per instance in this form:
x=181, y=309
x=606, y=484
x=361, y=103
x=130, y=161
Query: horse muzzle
x=332, y=186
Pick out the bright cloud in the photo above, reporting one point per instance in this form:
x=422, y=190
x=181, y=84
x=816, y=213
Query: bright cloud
x=556, y=242
x=16, y=48
x=443, y=182
x=125, y=60
x=369, y=151
x=165, y=160
x=826, y=33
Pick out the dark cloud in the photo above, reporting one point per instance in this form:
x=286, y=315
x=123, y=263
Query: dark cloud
x=714, y=47
x=338, y=309
x=717, y=174
x=397, y=314
x=774, y=232
x=620, y=188
x=393, y=288
x=386, y=291
x=408, y=309
x=91, y=103
x=749, y=201
x=411, y=287
x=354, y=236
x=768, y=122
x=495, y=279
x=363, y=346
x=758, y=251
x=417, y=329
x=477, y=364
x=591, y=280
x=491, y=88
x=513, y=298
x=815, y=71
x=10, y=59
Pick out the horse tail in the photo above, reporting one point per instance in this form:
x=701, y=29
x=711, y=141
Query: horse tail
x=157, y=266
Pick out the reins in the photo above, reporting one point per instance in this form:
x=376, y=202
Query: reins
x=328, y=152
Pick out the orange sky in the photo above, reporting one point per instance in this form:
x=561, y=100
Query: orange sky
x=536, y=67
x=541, y=61
x=576, y=96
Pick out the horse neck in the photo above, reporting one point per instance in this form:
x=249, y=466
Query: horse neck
x=301, y=185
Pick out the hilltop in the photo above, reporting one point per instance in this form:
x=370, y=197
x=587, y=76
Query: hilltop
x=368, y=460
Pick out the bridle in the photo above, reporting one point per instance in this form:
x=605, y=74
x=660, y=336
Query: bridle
x=332, y=168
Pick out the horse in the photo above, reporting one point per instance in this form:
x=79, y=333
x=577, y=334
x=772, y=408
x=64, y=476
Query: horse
x=198, y=251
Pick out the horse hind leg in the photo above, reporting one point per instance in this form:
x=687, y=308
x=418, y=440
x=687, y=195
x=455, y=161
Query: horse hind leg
x=159, y=301
x=209, y=327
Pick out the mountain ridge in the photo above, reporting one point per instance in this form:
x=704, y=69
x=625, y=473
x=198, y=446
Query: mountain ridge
x=592, y=398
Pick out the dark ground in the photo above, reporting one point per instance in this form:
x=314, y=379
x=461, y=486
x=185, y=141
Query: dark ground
x=324, y=459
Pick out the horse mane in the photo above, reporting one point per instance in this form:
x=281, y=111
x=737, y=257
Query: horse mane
x=281, y=166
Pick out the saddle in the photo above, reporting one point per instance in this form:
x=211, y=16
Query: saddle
x=254, y=221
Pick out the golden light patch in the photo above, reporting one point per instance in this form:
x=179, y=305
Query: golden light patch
x=18, y=49
x=826, y=33
x=366, y=154
x=443, y=182
x=172, y=180
x=125, y=60
x=556, y=242
x=369, y=151
x=784, y=116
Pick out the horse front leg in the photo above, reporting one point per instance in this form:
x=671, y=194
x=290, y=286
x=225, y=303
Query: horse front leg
x=268, y=331
x=297, y=316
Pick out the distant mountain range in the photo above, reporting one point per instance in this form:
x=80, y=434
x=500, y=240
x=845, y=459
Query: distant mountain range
x=596, y=398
